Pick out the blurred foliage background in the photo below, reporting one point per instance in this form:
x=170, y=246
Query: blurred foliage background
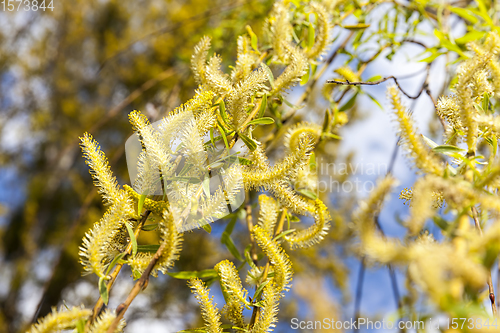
x=84, y=67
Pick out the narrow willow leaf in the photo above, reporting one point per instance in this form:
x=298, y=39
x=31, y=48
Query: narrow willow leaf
x=464, y=13
x=150, y=227
x=326, y=121
x=80, y=326
x=223, y=114
x=132, y=239
x=186, y=275
x=356, y=26
x=115, y=261
x=103, y=290
x=206, y=186
x=374, y=78
x=262, y=121
x=212, y=136
x=207, y=228
x=244, y=161
x=349, y=104
x=311, y=34
x=253, y=38
x=228, y=242
x=284, y=233
x=305, y=78
x=429, y=142
x=444, y=149
x=250, y=143
x=374, y=100
x=333, y=136
x=148, y=248
x=140, y=204
x=248, y=257
x=258, y=291
x=309, y=194
x=263, y=106
x=223, y=134
x=486, y=102
x=269, y=74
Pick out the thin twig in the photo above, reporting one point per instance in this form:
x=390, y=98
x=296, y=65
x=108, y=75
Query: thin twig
x=374, y=83
x=489, y=281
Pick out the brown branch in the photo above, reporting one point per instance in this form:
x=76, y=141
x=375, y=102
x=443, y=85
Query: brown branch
x=489, y=281
x=374, y=83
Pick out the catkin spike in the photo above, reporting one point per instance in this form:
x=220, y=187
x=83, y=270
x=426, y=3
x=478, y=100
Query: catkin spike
x=269, y=313
x=283, y=170
x=323, y=28
x=209, y=310
x=315, y=233
x=236, y=294
x=216, y=80
x=245, y=60
x=280, y=30
x=99, y=169
x=106, y=239
x=268, y=214
x=239, y=99
x=60, y=320
x=199, y=59
x=422, y=158
x=104, y=321
x=293, y=135
x=293, y=72
x=277, y=257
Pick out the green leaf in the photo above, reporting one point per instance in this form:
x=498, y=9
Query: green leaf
x=310, y=35
x=374, y=100
x=223, y=134
x=374, y=78
x=103, y=290
x=326, y=121
x=206, y=186
x=429, y=142
x=248, y=257
x=263, y=106
x=305, y=78
x=116, y=259
x=446, y=149
x=149, y=227
x=148, y=248
x=349, y=104
x=269, y=74
x=223, y=114
x=284, y=233
x=308, y=193
x=80, y=326
x=262, y=121
x=244, y=161
x=356, y=26
x=140, y=204
x=486, y=102
x=464, y=13
x=333, y=136
x=186, y=275
x=259, y=290
x=446, y=43
x=470, y=36
x=207, y=227
x=432, y=57
x=253, y=38
x=228, y=242
x=132, y=239
x=250, y=143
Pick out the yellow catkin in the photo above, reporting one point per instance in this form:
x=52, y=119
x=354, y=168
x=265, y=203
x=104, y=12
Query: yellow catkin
x=209, y=311
x=104, y=321
x=422, y=157
x=277, y=257
x=99, y=169
x=60, y=320
x=235, y=293
x=269, y=312
x=315, y=233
